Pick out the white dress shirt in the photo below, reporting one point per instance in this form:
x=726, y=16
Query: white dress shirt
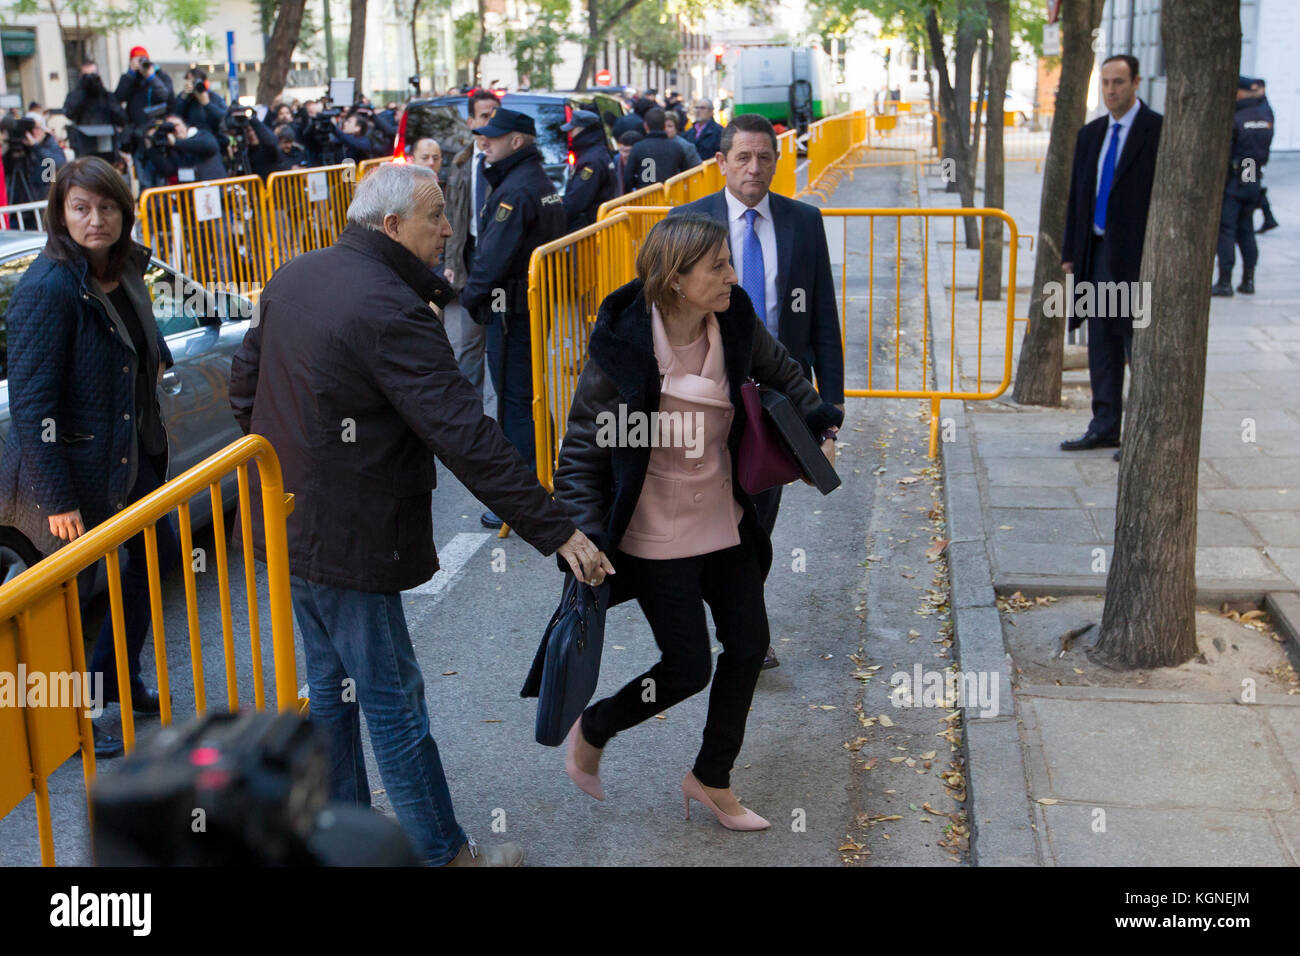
x=766, y=232
x=1125, y=124
x=473, y=191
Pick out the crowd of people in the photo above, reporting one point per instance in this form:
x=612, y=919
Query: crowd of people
x=156, y=134
x=735, y=286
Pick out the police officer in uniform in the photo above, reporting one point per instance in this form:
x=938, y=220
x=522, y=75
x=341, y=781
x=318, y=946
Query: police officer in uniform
x=523, y=212
x=592, y=181
x=1252, y=133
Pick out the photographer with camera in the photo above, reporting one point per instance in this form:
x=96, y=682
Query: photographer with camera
x=90, y=104
x=291, y=155
x=143, y=85
x=184, y=154
x=31, y=159
x=199, y=105
x=143, y=90
x=250, y=146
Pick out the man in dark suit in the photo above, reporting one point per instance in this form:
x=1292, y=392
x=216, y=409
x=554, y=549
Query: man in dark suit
x=1105, y=226
x=656, y=158
x=778, y=248
x=705, y=134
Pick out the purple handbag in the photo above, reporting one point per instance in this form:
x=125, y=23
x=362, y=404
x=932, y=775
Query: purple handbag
x=764, y=460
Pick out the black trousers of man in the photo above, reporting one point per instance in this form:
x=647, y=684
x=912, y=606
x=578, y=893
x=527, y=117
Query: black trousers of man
x=1110, y=345
x=1237, y=225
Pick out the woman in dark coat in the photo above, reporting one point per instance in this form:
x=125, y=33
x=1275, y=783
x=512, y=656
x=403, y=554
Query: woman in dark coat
x=671, y=350
x=87, y=438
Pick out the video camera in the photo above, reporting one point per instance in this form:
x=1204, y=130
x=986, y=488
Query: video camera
x=234, y=139
x=157, y=135
x=227, y=789
x=16, y=128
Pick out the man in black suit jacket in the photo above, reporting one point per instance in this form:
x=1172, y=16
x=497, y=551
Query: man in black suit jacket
x=706, y=134
x=1105, y=226
x=794, y=294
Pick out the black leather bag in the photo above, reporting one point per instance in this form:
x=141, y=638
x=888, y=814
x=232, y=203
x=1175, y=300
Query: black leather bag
x=567, y=665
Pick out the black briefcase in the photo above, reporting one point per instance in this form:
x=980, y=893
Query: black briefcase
x=799, y=440
x=564, y=672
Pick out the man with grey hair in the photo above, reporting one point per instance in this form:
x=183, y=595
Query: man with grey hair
x=348, y=372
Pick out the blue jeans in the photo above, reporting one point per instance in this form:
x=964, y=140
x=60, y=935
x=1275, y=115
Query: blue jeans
x=510, y=361
x=363, y=636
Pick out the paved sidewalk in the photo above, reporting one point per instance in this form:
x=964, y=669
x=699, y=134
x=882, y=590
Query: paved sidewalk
x=1173, y=765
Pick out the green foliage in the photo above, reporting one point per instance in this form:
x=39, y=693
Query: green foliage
x=651, y=34
x=536, y=47
x=468, y=35
x=185, y=17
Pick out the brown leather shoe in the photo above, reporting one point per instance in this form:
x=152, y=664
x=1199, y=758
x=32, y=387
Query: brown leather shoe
x=471, y=854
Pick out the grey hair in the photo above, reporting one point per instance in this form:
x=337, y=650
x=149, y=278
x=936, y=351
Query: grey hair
x=387, y=191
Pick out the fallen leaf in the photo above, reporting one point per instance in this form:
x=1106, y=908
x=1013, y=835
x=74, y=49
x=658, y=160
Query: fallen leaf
x=448, y=673
x=1048, y=801
x=885, y=721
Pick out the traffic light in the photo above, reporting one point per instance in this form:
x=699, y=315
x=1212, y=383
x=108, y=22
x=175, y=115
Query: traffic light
x=718, y=50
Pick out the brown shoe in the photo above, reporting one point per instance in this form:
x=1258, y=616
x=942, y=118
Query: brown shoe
x=471, y=854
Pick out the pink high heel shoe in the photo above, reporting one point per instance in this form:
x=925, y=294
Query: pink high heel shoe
x=692, y=789
x=588, y=783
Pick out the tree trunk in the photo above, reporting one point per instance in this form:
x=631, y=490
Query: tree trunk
x=596, y=34
x=994, y=170
x=357, y=41
x=588, y=71
x=1150, y=614
x=482, y=39
x=954, y=105
x=415, y=39
x=982, y=59
x=279, y=51
x=1038, y=375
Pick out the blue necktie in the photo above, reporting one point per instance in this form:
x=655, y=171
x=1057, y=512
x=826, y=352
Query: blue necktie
x=1107, y=176
x=754, y=281
x=480, y=187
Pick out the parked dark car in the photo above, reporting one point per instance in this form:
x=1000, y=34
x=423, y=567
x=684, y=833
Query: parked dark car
x=203, y=330
x=549, y=111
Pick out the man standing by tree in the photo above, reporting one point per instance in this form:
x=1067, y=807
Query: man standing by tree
x=1105, y=227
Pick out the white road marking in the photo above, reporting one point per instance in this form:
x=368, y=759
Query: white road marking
x=451, y=558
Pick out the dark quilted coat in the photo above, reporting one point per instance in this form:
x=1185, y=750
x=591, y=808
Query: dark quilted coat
x=71, y=379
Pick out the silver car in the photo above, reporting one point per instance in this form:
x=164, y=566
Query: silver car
x=203, y=330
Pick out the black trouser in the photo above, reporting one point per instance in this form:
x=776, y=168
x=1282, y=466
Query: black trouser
x=1237, y=225
x=672, y=594
x=768, y=505
x=1110, y=344
x=136, y=610
x=1265, y=208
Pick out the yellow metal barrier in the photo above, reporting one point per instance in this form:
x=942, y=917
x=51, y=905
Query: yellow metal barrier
x=554, y=391
x=830, y=140
x=567, y=281
x=214, y=232
x=652, y=195
x=694, y=183
x=307, y=209
x=40, y=623
x=366, y=165
x=787, y=160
